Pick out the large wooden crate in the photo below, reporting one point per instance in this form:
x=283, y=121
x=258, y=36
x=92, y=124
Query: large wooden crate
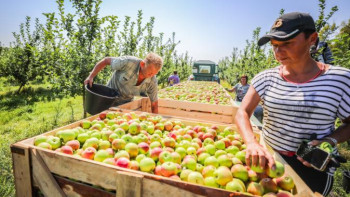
x=41, y=171
x=186, y=109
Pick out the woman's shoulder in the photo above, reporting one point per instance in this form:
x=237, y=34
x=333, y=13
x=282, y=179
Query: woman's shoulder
x=339, y=71
x=271, y=72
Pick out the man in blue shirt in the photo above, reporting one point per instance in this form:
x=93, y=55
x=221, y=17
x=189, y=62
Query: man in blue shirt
x=132, y=77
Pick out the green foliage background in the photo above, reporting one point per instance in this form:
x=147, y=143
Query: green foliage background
x=42, y=71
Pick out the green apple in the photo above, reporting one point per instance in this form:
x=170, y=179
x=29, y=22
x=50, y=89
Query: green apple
x=85, y=124
x=55, y=142
x=277, y=172
x=118, y=144
x=96, y=134
x=223, y=175
x=45, y=145
x=104, y=144
x=184, y=174
x=255, y=189
x=112, y=137
x=165, y=156
x=211, y=161
x=39, y=139
x=241, y=156
x=67, y=135
x=219, y=145
x=132, y=149
x=285, y=182
x=91, y=142
x=124, y=126
x=147, y=165
x=134, y=128
x=189, y=163
x=210, y=182
x=120, y=132
x=181, y=151
x=195, y=177
x=218, y=153
x=202, y=157
x=82, y=137
x=140, y=157
x=120, y=154
x=210, y=148
x=127, y=138
x=191, y=151
x=155, y=144
x=101, y=155
x=232, y=149
x=208, y=171
x=236, y=185
x=224, y=160
x=239, y=171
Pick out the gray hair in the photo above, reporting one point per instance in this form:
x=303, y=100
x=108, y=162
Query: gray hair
x=155, y=59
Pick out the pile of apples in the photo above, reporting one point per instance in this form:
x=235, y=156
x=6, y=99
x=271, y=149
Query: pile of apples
x=197, y=91
x=206, y=155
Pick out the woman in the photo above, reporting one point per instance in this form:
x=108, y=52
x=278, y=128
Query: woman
x=301, y=99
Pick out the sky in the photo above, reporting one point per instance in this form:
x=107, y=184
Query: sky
x=206, y=29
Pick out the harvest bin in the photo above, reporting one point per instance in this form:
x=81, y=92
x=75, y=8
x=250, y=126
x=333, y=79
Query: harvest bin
x=38, y=170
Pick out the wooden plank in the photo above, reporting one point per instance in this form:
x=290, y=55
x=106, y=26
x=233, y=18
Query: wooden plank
x=146, y=105
x=193, y=106
x=196, y=115
x=43, y=176
x=74, y=188
x=131, y=105
x=128, y=184
x=21, y=169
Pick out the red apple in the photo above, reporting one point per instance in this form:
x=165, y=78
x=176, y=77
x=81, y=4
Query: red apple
x=123, y=162
x=89, y=153
x=75, y=144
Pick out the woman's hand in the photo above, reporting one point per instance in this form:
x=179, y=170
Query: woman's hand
x=89, y=80
x=258, y=155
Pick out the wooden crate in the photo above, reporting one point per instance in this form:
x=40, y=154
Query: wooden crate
x=186, y=109
x=57, y=174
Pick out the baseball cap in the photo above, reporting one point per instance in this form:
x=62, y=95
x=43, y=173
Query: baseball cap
x=288, y=26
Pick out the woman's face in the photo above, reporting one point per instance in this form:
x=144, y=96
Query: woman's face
x=293, y=50
x=243, y=80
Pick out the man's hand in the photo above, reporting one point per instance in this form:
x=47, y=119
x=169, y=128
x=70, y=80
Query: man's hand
x=89, y=80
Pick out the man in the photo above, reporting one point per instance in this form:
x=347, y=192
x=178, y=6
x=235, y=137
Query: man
x=173, y=79
x=132, y=76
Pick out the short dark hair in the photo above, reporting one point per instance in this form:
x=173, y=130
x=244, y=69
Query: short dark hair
x=244, y=76
x=175, y=72
x=308, y=33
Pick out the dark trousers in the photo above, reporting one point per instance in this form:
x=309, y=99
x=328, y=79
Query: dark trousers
x=317, y=181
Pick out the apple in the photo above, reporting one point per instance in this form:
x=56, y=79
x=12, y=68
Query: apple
x=85, y=124
x=168, y=126
x=102, y=115
x=45, y=145
x=189, y=163
x=168, y=169
x=176, y=157
x=229, y=130
x=239, y=171
x=236, y=143
x=123, y=162
x=104, y=144
x=218, y=153
x=157, y=170
x=210, y=148
x=224, y=160
x=236, y=185
x=40, y=139
x=211, y=161
x=127, y=138
x=278, y=172
x=118, y=144
x=147, y=164
x=121, y=153
x=202, y=157
x=269, y=185
x=208, y=141
x=55, y=142
x=208, y=135
x=255, y=189
x=223, y=175
x=257, y=168
x=181, y=151
x=155, y=152
x=89, y=153
x=175, y=177
x=155, y=138
x=283, y=193
x=124, y=126
x=191, y=151
x=91, y=142
x=232, y=149
x=75, y=144
x=195, y=177
x=235, y=160
x=110, y=115
x=82, y=137
x=67, y=150
x=96, y=126
x=155, y=144
x=210, y=182
x=270, y=194
x=96, y=134
x=101, y=155
x=184, y=174
x=285, y=182
x=110, y=161
x=241, y=156
x=169, y=142
x=132, y=149
x=67, y=135
x=134, y=165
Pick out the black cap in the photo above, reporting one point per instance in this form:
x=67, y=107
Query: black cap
x=288, y=26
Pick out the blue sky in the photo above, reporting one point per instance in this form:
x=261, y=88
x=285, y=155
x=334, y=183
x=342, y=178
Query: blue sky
x=207, y=29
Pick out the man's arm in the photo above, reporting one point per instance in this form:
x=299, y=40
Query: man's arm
x=98, y=67
x=154, y=106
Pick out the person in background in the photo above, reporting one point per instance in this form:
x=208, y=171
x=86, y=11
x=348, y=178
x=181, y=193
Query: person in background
x=241, y=90
x=131, y=77
x=173, y=79
x=216, y=78
x=302, y=99
x=321, y=52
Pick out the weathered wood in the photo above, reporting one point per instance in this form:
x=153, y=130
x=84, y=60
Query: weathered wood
x=21, y=169
x=146, y=105
x=133, y=105
x=200, y=107
x=128, y=184
x=42, y=175
x=73, y=188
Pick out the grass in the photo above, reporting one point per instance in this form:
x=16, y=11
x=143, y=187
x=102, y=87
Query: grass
x=35, y=111
x=32, y=112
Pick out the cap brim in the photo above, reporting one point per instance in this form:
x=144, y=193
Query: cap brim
x=280, y=36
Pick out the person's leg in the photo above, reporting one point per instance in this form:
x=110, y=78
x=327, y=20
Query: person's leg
x=317, y=181
x=259, y=113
